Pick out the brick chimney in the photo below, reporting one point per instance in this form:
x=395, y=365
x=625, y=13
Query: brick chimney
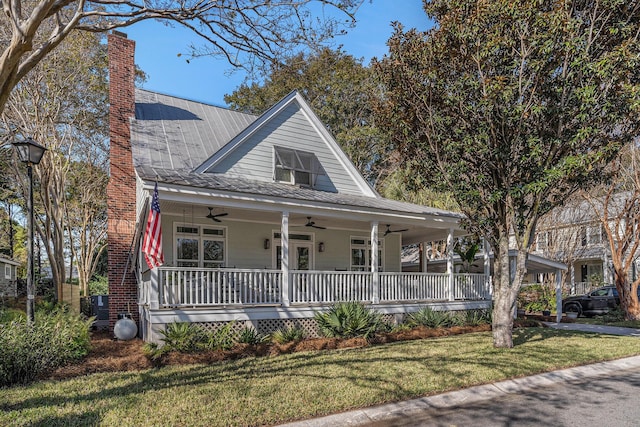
x=121, y=190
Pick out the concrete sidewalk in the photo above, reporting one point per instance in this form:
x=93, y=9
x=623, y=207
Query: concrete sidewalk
x=488, y=391
x=598, y=329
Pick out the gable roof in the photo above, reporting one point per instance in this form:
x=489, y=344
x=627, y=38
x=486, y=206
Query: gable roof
x=293, y=98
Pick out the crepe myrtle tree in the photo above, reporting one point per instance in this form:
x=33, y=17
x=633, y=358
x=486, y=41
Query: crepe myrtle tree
x=512, y=106
x=247, y=33
x=616, y=207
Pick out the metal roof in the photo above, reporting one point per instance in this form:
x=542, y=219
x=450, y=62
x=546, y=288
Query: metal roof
x=171, y=137
x=175, y=133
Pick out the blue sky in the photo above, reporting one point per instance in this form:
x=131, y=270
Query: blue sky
x=208, y=79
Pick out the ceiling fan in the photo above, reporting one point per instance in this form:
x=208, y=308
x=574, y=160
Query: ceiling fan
x=215, y=217
x=313, y=224
x=389, y=230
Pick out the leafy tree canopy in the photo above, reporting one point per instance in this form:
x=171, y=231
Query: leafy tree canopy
x=513, y=105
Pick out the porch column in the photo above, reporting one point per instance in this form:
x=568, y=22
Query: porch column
x=425, y=258
x=572, y=273
x=486, y=265
x=284, y=241
x=154, y=292
x=558, y=295
x=450, y=263
x=375, y=280
x=606, y=272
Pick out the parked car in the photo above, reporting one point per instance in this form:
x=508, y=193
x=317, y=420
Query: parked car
x=598, y=301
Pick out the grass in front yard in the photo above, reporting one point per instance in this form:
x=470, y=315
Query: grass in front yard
x=269, y=390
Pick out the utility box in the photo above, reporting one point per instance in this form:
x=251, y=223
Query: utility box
x=98, y=307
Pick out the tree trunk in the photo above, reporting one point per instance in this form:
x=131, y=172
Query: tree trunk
x=503, y=304
x=507, y=284
x=628, y=295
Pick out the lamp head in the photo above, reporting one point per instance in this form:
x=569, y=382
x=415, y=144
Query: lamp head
x=29, y=151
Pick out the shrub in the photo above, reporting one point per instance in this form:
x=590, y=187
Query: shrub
x=348, y=320
x=187, y=337
x=537, y=297
x=99, y=285
x=250, y=336
x=430, y=318
x=10, y=314
x=615, y=315
x=181, y=336
x=28, y=351
x=399, y=327
x=479, y=317
x=293, y=333
x=221, y=339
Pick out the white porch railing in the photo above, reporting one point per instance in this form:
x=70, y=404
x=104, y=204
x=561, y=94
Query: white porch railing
x=200, y=287
x=210, y=287
x=329, y=286
x=413, y=286
x=471, y=287
x=581, y=288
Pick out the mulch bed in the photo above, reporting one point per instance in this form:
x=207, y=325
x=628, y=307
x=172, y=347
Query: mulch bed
x=110, y=355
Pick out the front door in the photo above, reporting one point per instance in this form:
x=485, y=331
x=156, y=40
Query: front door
x=302, y=256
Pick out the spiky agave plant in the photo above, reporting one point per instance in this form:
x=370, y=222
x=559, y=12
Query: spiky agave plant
x=348, y=320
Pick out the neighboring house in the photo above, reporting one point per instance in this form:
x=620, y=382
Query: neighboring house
x=536, y=265
x=265, y=221
x=575, y=236
x=8, y=277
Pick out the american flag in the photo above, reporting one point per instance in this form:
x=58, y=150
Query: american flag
x=152, y=244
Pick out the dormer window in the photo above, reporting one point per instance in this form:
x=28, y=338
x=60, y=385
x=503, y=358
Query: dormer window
x=295, y=167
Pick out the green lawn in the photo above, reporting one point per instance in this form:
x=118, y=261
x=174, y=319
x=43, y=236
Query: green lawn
x=269, y=390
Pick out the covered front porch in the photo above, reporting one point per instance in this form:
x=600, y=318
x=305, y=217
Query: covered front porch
x=268, y=262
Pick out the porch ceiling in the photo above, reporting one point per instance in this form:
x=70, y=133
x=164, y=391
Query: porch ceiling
x=416, y=231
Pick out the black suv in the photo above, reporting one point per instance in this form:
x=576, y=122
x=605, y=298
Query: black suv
x=599, y=301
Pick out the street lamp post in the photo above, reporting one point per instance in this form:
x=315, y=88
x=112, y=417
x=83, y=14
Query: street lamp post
x=30, y=152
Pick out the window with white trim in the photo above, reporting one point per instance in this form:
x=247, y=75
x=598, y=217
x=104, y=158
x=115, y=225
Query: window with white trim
x=7, y=271
x=295, y=167
x=361, y=254
x=200, y=246
x=591, y=235
x=544, y=240
x=595, y=234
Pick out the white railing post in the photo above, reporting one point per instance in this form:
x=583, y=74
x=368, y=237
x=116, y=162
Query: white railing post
x=284, y=240
x=450, y=263
x=154, y=289
x=375, y=280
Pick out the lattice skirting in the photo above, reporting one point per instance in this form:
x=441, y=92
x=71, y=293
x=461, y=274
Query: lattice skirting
x=268, y=326
x=214, y=326
x=265, y=322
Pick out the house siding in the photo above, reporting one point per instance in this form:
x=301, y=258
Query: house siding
x=245, y=244
x=289, y=129
x=8, y=285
